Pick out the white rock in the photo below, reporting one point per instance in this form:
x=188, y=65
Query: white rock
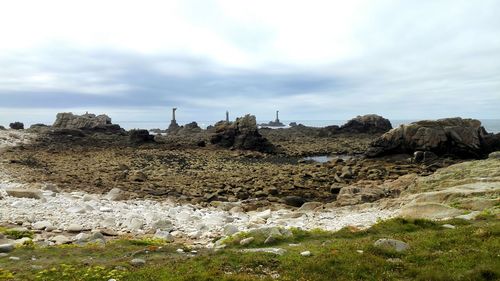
x=246, y=241
x=115, y=194
x=60, y=239
x=277, y=251
x=74, y=228
x=449, y=226
x=41, y=225
x=305, y=254
x=22, y=241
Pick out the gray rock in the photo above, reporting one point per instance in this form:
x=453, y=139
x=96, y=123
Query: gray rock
x=295, y=201
x=494, y=155
x=370, y=123
x=392, y=244
x=85, y=122
x=6, y=248
x=60, y=239
x=230, y=229
x=74, y=228
x=24, y=193
x=81, y=237
x=449, y=226
x=137, y=262
x=310, y=206
x=136, y=224
x=165, y=235
x=115, y=194
x=164, y=225
x=247, y=241
x=457, y=136
x=429, y=211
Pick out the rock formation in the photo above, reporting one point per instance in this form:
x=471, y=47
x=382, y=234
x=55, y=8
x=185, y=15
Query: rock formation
x=456, y=136
x=87, y=122
x=371, y=124
x=140, y=136
x=241, y=134
x=16, y=126
x=2, y=128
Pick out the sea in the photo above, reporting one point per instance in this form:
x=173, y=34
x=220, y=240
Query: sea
x=491, y=125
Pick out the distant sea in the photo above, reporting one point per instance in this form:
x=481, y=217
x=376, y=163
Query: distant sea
x=491, y=125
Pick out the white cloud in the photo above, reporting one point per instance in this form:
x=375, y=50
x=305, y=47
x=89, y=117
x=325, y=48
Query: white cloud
x=413, y=59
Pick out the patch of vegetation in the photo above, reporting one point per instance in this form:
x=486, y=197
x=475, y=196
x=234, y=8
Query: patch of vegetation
x=17, y=234
x=468, y=252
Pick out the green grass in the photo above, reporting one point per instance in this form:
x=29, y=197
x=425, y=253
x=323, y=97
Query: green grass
x=16, y=234
x=469, y=252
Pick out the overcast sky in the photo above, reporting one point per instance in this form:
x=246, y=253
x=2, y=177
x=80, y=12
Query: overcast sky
x=310, y=59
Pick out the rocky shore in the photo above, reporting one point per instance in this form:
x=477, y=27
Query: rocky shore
x=86, y=179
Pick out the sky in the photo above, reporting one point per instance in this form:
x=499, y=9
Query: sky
x=311, y=60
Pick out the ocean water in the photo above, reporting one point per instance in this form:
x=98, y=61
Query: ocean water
x=491, y=125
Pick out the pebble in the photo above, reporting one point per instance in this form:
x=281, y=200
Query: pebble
x=14, y=258
x=180, y=251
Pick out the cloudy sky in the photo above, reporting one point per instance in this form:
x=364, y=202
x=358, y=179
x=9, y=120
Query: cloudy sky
x=310, y=59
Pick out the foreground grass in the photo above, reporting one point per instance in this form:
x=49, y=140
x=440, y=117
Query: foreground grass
x=469, y=252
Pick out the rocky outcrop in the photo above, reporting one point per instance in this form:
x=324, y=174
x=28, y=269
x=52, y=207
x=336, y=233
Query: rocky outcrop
x=2, y=128
x=455, y=136
x=491, y=143
x=370, y=124
x=16, y=126
x=140, y=136
x=190, y=128
x=241, y=134
x=87, y=122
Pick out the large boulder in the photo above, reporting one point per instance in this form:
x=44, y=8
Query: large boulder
x=241, y=134
x=87, y=122
x=455, y=136
x=370, y=124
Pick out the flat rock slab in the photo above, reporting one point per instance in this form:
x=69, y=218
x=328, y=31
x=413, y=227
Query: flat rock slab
x=24, y=193
x=433, y=211
x=393, y=244
x=276, y=251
